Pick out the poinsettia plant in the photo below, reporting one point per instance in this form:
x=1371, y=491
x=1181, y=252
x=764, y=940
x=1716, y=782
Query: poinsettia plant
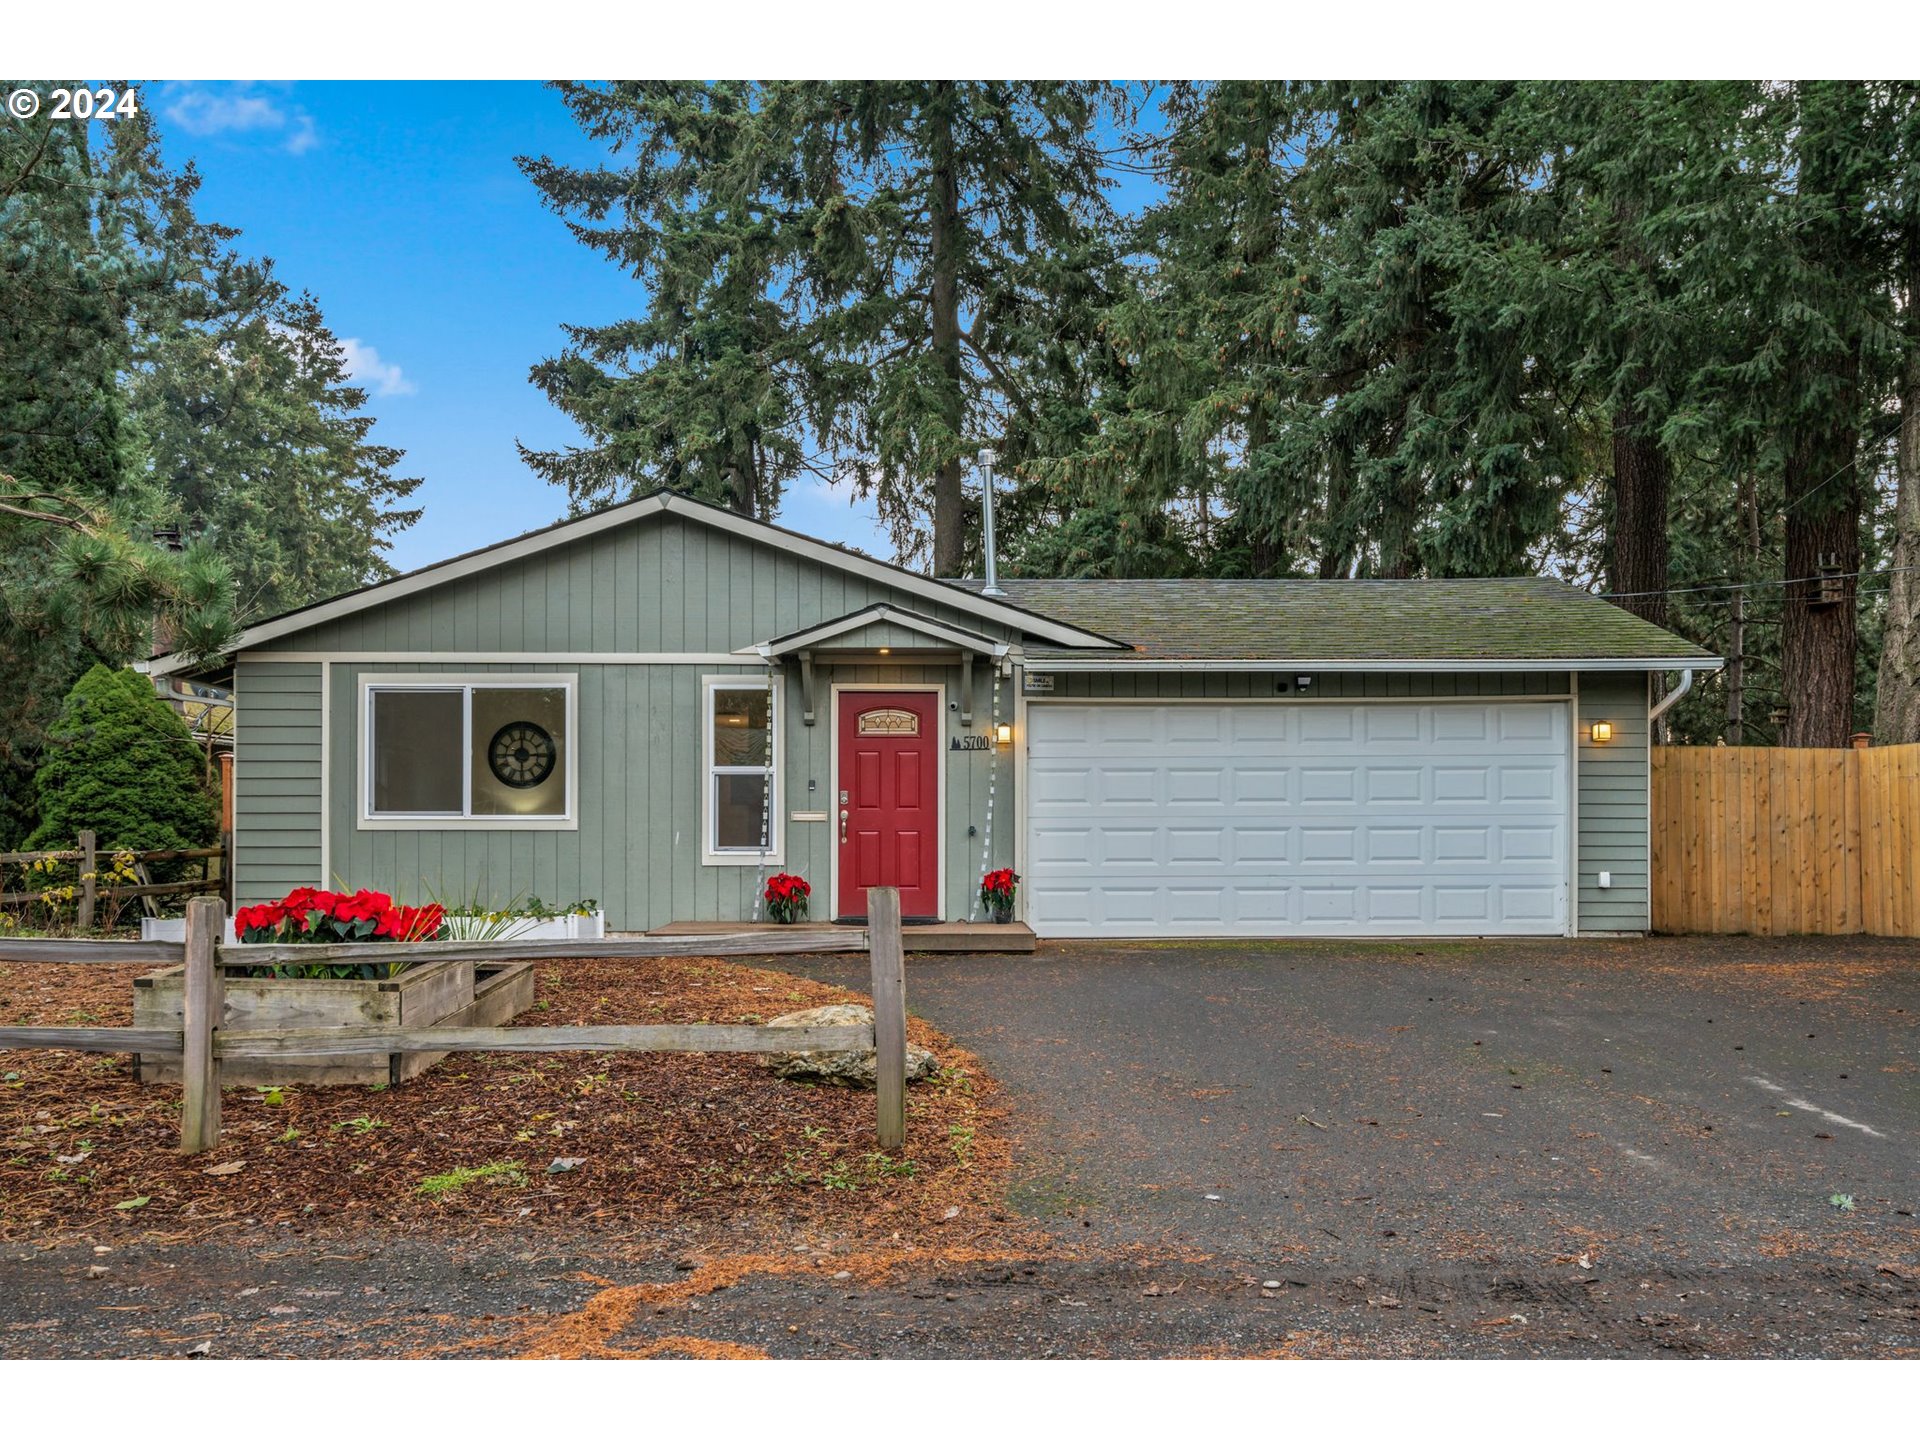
x=997, y=889
x=786, y=897
x=325, y=917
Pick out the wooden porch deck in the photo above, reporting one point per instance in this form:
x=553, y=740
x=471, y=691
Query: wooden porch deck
x=948, y=937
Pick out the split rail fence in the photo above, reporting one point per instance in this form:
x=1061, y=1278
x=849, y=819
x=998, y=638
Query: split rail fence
x=1762, y=841
x=202, y=1044
x=89, y=892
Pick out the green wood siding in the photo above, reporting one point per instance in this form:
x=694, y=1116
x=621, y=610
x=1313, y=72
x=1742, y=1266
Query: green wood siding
x=661, y=585
x=276, y=765
x=1613, y=804
x=638, y=846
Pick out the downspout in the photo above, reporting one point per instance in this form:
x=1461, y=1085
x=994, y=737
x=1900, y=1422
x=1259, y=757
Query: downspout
x=1670, y=699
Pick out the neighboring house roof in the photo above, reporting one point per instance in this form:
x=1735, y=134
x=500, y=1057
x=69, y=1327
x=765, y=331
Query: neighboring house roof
x=566, y=532
x=1336, y=623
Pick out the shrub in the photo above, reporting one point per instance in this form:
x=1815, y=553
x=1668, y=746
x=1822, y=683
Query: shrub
x=121, y=763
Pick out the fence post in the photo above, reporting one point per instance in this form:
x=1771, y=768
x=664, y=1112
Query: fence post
x=89, y=865
x=885, y=946
x=202, y=1001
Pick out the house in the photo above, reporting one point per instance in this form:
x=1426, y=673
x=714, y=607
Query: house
x=660, y=704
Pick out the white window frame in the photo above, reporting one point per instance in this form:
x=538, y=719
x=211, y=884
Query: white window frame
x=369, y=819
x=710, y=851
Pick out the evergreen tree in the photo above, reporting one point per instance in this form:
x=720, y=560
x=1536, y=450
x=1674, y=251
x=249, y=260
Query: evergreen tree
x=867, y=270
x=121, y=763
x=707, y=393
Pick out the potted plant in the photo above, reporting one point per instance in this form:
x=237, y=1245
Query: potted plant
x=786, y=898
x=997, y=888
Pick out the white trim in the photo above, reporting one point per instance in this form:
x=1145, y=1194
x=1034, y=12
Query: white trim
x=326, y=771
x=1019, y=683
x=1063, y=664
x=1573, y=806
x=939, y=691
x=1559, y=699
x=776, y=851
x=493, y=657
x=1646, y=926
x=569, y=532
x=466, y=682
x=880, y=614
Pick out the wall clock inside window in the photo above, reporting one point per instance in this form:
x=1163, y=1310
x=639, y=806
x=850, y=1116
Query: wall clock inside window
x=521, y=754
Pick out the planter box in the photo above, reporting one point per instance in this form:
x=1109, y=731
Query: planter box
x=436, y=992
x=174, y=930
x=459, y=927
x=551, y=927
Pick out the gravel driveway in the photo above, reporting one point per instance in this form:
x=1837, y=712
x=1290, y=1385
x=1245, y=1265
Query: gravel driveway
x=1699, y=1146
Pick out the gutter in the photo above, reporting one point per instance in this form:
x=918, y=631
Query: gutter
x=1671, y=698
x=1118, y=665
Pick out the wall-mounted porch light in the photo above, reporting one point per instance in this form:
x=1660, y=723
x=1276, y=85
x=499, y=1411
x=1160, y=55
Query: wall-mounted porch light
x=1602, y=731
x=1003, y=732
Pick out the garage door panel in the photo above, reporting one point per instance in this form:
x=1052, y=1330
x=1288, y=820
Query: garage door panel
x=1391, y=784
x=1260, y=785
x=1278, y=818
x=1119, y=785
x=1324, y=844
x=1196, y=785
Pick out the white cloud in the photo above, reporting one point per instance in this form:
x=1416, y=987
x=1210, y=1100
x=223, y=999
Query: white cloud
x=241, y=110
x=380, y=376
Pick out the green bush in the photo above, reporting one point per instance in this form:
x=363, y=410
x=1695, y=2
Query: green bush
x=121, y=763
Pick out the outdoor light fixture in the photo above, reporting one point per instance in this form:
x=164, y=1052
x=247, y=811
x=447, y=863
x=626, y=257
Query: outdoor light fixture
x=1602, y=731
x=1003, y=732
x=886, y=650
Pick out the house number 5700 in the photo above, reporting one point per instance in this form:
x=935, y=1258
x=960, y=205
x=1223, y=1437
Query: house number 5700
x=972, y=742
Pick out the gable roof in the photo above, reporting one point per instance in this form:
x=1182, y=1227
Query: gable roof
x=880, y=613
x=567, y=532
x=1387, y=624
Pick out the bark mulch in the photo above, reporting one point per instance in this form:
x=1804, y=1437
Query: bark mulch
x=664, y=1140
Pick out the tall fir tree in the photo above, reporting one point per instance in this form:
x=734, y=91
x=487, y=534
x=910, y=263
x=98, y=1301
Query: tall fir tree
x=860, y=276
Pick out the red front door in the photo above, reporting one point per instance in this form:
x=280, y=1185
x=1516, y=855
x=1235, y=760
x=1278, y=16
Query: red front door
x=889, y=801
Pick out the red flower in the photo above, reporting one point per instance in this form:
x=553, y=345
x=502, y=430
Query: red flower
x=998, y=884
x=362, y=905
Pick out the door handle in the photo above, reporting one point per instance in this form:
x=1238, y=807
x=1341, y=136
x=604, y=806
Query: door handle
x=843, y=827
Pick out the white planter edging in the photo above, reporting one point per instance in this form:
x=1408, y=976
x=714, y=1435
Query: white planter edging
x=174, y=931
x=550, y=927
x=459, y=927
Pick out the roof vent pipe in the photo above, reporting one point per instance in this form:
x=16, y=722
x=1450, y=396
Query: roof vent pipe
x=986, y=522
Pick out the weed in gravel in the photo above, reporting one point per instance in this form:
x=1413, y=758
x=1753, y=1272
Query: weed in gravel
x=960, y=1141
x=499, y=1172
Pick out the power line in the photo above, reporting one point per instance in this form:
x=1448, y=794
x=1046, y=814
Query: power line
x=1760, y=584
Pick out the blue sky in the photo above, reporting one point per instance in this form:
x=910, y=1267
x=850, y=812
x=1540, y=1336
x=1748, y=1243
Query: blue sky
x=399, y=207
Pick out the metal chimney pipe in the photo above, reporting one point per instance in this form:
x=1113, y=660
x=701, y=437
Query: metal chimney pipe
x=986, y=520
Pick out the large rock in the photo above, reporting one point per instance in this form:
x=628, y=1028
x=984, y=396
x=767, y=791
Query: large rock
x=839, y=1067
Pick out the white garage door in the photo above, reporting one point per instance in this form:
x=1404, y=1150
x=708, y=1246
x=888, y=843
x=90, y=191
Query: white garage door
x=1298, y=819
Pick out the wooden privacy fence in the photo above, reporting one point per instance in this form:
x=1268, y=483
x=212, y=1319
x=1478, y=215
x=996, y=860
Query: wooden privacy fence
x=89, y=892
x=1750, y=840
x=201, y=1045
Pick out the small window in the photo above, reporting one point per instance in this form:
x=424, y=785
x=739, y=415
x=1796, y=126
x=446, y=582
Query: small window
x=742, y=800
x=468, y=752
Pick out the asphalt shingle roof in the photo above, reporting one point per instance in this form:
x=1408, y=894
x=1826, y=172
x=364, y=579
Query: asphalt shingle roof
x=1329, y=620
